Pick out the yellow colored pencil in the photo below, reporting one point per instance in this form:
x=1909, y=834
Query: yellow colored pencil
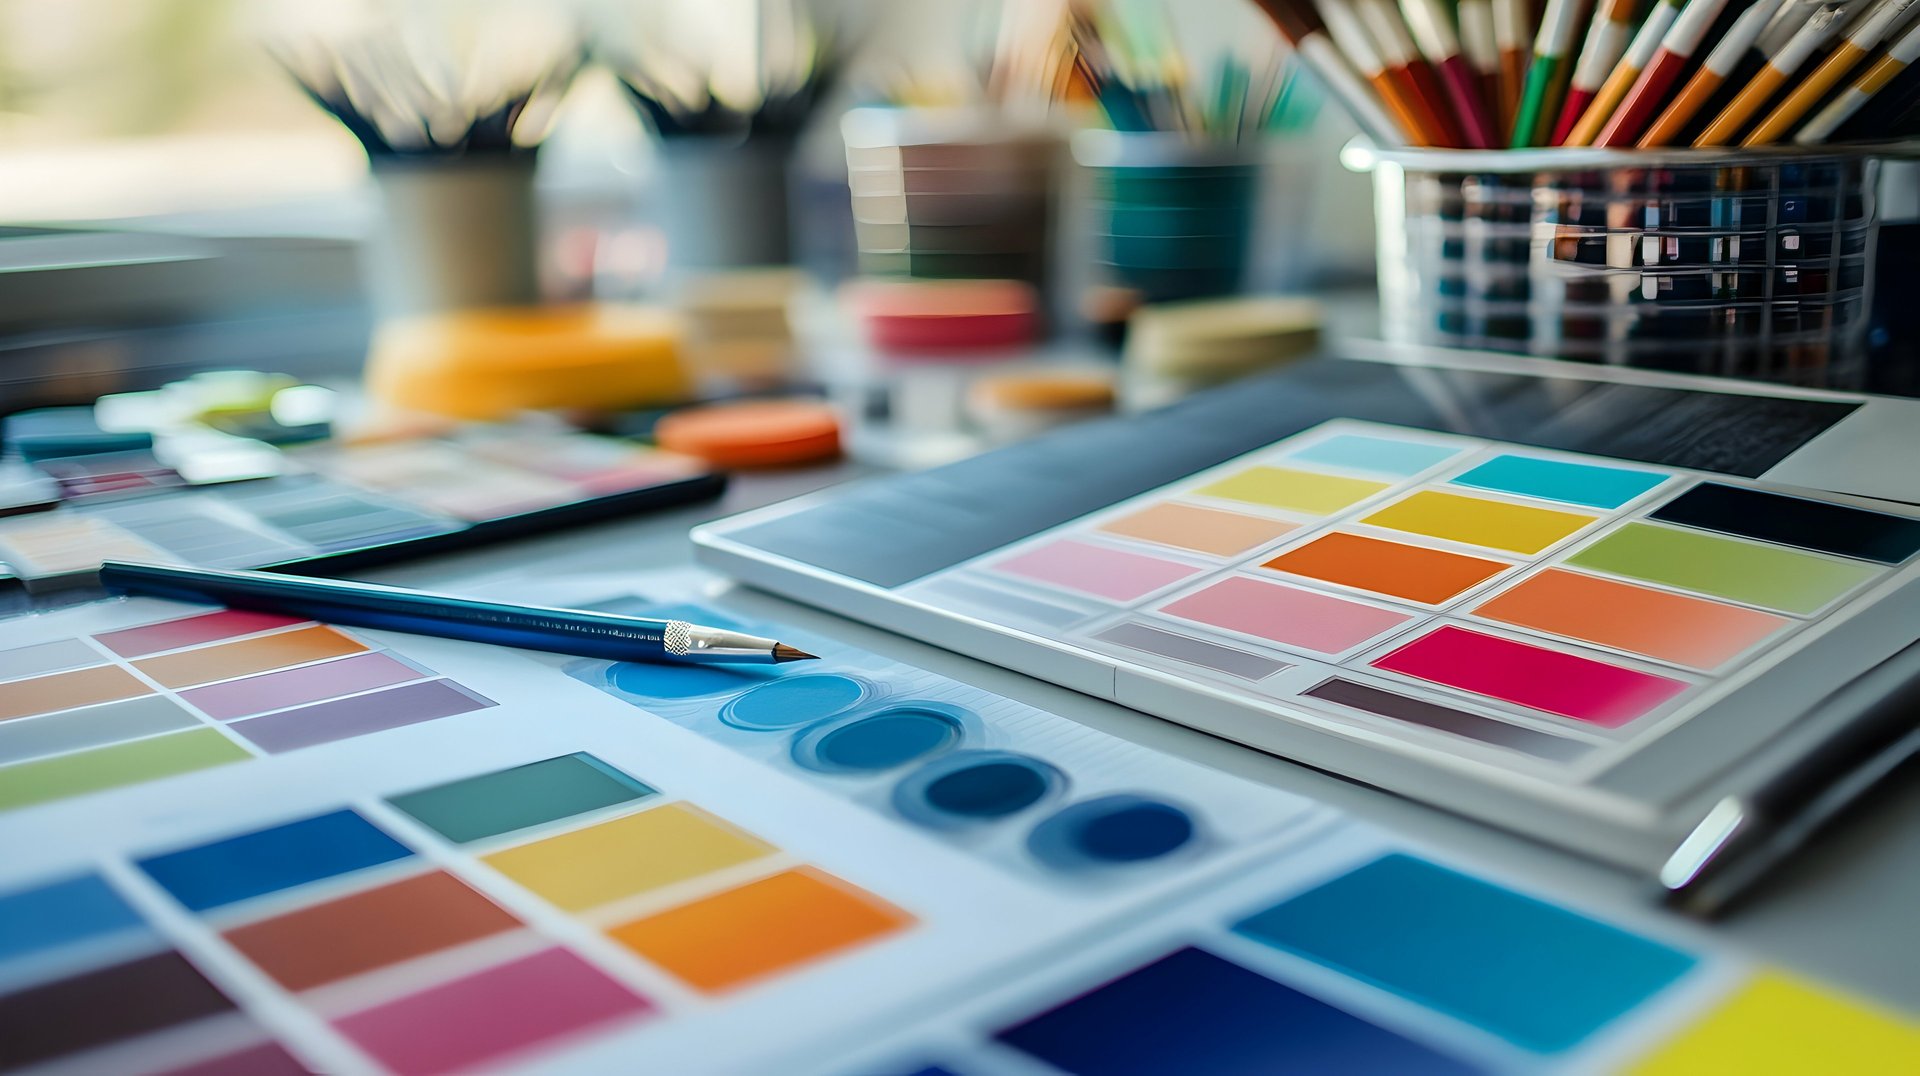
x=1859, y=44
x=1646, y=42
x=1899, y=57
x=1732, y=120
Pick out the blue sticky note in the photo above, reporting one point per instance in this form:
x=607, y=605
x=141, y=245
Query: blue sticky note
x=1192, y=1011
x=1533, y=973
x=70, y=910
x=1381, y=455
x=267, y=861
x=1585, y=484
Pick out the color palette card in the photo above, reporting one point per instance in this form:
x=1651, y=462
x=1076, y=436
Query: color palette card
x=263, y=842
x=1355, y=952
x=1582, y=647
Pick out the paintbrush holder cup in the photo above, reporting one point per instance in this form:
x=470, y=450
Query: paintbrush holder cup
x=1750, y=264
x=723, y=201
x=1172, y=218
x=950, y=194
x=453, y=235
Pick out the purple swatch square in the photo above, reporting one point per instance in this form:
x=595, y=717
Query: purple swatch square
x=309, y=683
x=343, y=719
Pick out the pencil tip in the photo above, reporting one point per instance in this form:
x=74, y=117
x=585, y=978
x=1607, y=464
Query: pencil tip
x=783, y=652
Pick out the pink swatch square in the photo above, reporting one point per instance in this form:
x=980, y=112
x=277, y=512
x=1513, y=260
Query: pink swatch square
x=495, y=1012
x=1550, y=680
x=1302, y=618
x=191, y=631
x=1096, y=570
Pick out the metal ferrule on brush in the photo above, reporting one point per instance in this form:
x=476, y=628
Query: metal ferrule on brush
x=690, y=643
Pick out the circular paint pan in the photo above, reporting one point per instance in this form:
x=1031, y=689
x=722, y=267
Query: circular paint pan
x=974, y=786
x=1109, y=831
x=649, y=680
x=881, y=739
x=794, y=700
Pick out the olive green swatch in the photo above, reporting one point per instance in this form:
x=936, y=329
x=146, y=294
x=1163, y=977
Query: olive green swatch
x=1764, y=575
x=127, y=763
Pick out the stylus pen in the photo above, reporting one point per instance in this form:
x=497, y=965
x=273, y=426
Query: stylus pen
x=1747, y=834
x=370, y=605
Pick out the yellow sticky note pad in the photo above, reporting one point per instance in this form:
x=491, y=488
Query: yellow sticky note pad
x=1776, y=1024
x=1517, y=528
x=1301, y=491
x=604, y=863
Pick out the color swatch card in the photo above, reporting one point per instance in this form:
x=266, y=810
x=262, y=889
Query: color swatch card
x=1480, y=624
x=248, y=843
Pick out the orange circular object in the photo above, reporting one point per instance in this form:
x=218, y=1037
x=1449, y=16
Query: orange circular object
x=755, y=433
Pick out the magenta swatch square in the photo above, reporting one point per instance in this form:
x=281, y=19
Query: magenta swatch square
x=1096, y=570
x=505, y=1010
x=1533, y=676
x=1289, y=615
x=292, y=687
x=191, y=631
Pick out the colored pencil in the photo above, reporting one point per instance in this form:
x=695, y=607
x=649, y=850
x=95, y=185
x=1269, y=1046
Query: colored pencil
x=1720, y=65
x=1352, y=38
x=1547, y=76
x=1649, y=93
x=1640, y=52
x=1606, y=42
x=1513, y=34
x=1899, y=58
x=1301, y=25
x=1820, y=28
x=1482, y=48
x=1433, y=32
x=1859, y=43
x=1415, y=77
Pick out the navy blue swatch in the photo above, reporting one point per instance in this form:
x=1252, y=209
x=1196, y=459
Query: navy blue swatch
x=1195, y=1012
x=1121, y=828
x=267, y=861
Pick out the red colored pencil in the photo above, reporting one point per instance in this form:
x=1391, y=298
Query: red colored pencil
x=1606, y=42
x=1414, y=75
x=1649, y=93
x=1433, y=32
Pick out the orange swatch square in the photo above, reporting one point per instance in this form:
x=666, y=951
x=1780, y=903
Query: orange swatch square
x=1679, y=628
x=1394, y=568
x=369, y=930
x=1203, y=530
x=258, y=654
x=760, y=928
x=63, y=691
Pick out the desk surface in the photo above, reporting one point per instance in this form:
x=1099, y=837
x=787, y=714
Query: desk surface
x=1843, y=910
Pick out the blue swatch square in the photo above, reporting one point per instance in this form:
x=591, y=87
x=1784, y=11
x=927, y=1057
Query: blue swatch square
x=1381, y=455
x=1535, y=974
x=71, y=910
x=1193, y=1011
x=267, y=861
x=1558, y=480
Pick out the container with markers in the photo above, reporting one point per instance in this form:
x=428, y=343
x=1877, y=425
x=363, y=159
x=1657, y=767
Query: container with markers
x=1755, y=263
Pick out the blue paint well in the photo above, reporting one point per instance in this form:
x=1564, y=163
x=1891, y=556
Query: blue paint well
x=70, y=910
x=974, y=786
x=1121, y=828
x=1538, y=975
x=1193, y=1012
x=267, y=861
x=650, y=680
x=1381, y=455
x=794, y=700
x=892, y=736
x=1584, y=484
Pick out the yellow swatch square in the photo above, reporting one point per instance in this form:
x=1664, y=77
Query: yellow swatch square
x=1477, y=521
x=1775, y=1024
x=604, y=863
x=1301, y=491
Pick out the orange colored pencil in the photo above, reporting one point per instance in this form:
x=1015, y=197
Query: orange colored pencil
x=1513, y=35
x=1354, y=41
x=1671, y=125
x=1859, y=44
x=1415, y=79
x=1900, y=55
x=1820, y=28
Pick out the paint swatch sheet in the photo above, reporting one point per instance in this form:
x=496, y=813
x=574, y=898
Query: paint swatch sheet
x=238, y=843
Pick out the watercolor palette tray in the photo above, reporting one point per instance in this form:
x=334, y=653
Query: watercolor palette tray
x=566, y=882
x=1477, y=623
x=351, y=505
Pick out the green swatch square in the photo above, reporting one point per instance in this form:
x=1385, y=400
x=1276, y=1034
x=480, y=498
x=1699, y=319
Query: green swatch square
x=129, y=763
x=489, y=804
x=1765, y=575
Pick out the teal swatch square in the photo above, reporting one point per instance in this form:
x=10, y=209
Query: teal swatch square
x=1381, y=455
x=1535, y=974
x=1558, y=480
x=490, y=804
